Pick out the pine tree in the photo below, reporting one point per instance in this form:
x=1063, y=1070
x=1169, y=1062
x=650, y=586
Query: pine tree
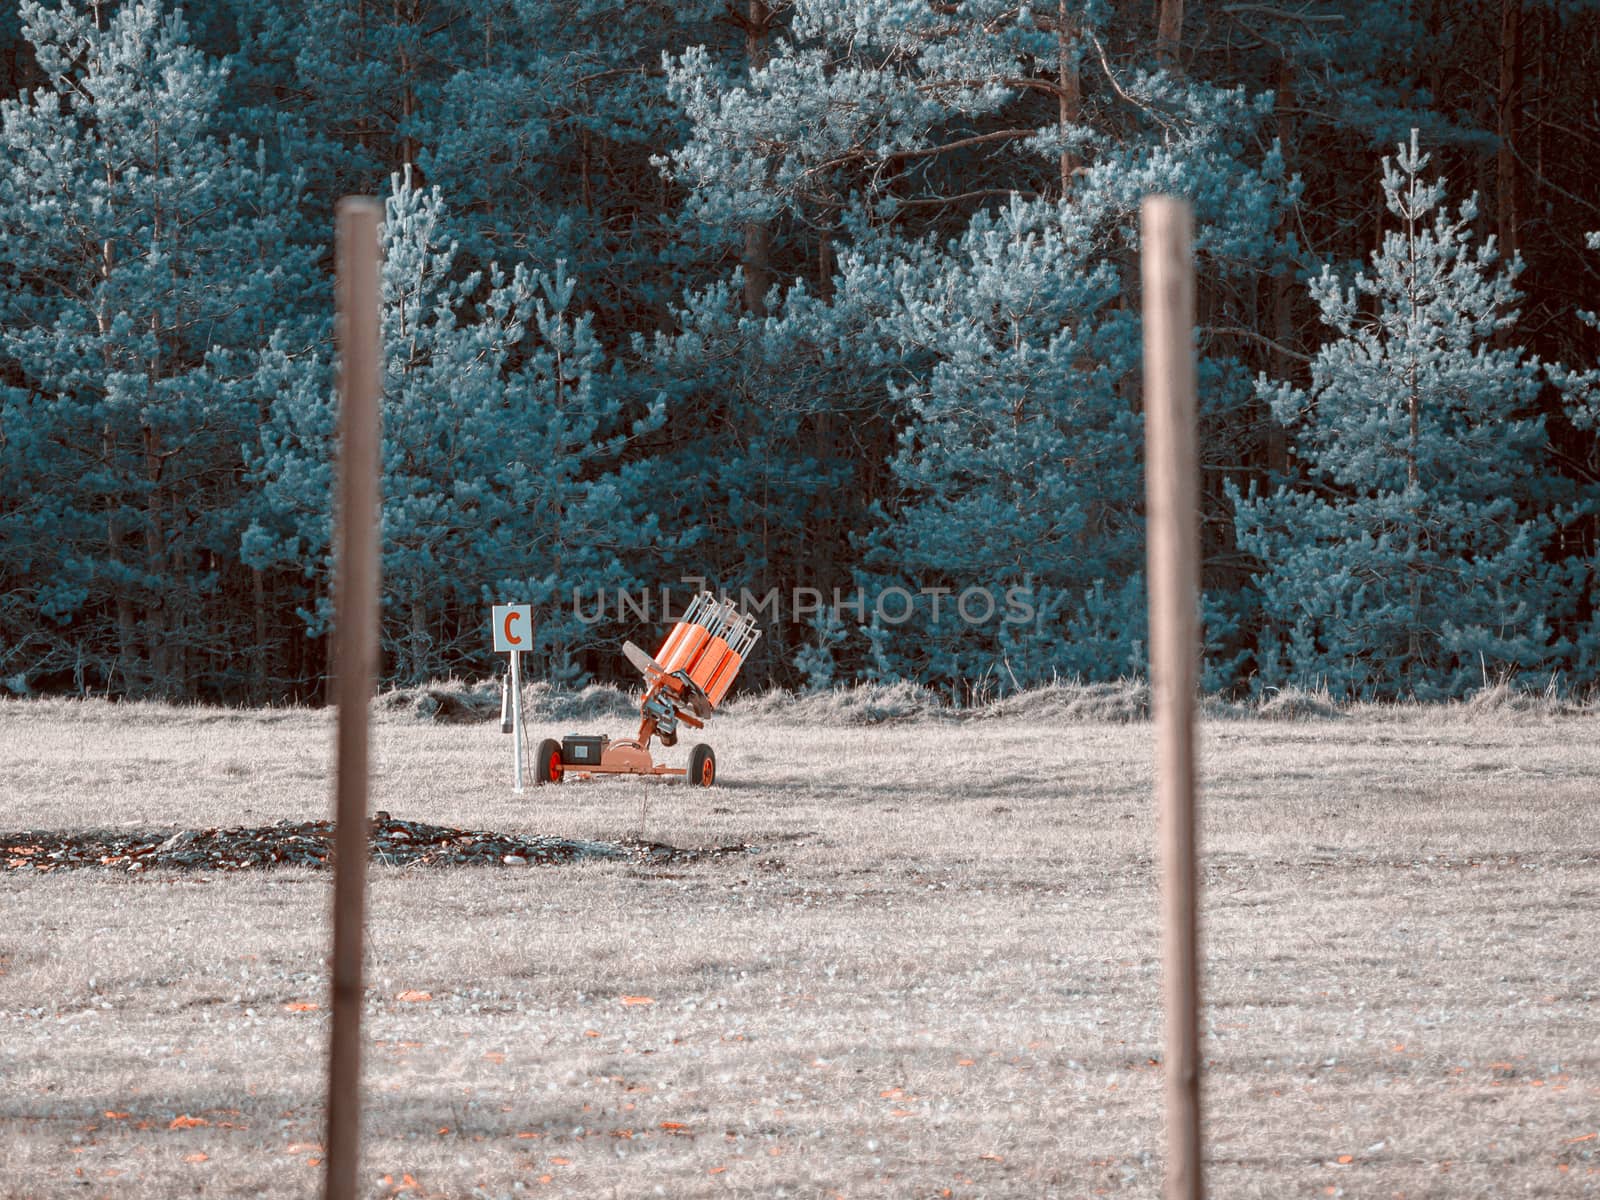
x=928, y=159
x=499, y=425
x=143, y=258
x=1019, y=466
x=1412, y=560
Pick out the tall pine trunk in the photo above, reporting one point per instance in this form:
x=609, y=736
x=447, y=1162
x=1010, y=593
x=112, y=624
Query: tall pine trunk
x=1282, y=282
x=1506, y=176
x=757, y=253
x=1069, y=100
x=1413, y=475
x=157, y=611
x=1169, y=33
x=258, y=609
x=418, y=641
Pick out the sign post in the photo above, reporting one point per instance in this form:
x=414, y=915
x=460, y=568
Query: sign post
x=513, y=628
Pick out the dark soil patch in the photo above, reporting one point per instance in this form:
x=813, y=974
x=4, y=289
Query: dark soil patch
x=310, y=844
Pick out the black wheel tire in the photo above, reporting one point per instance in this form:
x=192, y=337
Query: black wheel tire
x=702, y=767
x=547, y=765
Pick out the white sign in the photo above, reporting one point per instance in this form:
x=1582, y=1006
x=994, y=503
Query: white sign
x=513, y=627
x=513, y=633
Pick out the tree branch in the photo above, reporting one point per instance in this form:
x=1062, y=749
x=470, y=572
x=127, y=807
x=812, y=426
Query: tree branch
x=924, y=201
x=1282, y=14
x=1105, y=65
x=923, y=151
x=1252, y=335
x=962, y=143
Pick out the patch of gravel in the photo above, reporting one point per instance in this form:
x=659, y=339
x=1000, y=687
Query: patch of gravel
x=310, y=844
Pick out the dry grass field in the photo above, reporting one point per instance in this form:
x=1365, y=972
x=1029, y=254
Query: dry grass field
x=934, y=975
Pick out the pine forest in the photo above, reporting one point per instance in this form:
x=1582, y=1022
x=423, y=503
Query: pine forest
x=833, y=301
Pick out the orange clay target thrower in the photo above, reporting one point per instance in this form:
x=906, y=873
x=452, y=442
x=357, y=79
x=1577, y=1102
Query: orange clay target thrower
x=684, y=682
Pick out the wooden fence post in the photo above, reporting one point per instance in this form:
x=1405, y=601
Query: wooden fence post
x=1172, y=503
x=355, y=658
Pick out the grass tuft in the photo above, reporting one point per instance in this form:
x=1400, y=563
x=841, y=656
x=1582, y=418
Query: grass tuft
x=1299, y=704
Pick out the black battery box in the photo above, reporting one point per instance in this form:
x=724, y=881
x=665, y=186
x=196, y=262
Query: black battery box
x=583, y=749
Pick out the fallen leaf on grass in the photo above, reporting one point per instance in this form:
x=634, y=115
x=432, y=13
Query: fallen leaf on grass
x=116, y=1116
x=443, y=1129
x=963, y=1062
x=528, y=1134
x=994, y=1158
x=303, y=1006
x=631, y=1000
x=716, y=1170
x=591, y=1033
x=187, y=1122
x=900, y=1112
x=1588, y=1137
x=559, y=1161
x=546, y=1178
x=674, y=1126
x=199, y=1156
x=495, y=1056
x=1344, y=1159
x=412, y=996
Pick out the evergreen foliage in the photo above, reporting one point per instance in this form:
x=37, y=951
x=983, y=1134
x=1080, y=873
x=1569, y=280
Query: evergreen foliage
x=501, y=433
x=828, y=298
x=1412, y=560
x=146, y=257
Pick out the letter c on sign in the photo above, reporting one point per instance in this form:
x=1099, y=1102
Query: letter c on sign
x=511, y=637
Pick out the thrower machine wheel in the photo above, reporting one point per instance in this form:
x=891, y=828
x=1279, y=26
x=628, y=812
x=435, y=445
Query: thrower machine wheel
x=702, y=770
x=547, y=766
